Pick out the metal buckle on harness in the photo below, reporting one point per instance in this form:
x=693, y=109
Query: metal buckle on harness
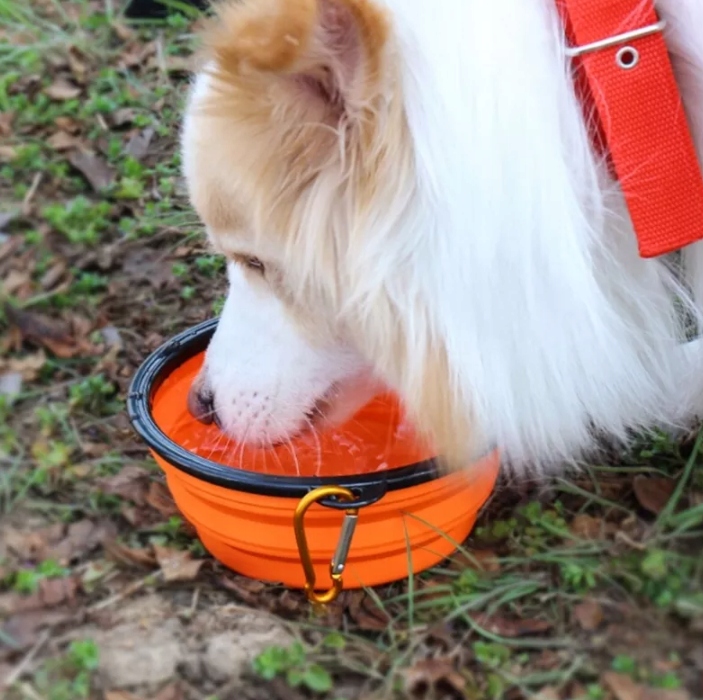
x=628, y=56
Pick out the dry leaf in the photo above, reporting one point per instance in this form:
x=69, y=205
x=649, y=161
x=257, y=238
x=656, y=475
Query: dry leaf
x=6, y=218
x=63, y=141
x=586, y=526
x=53, y=334
x=176, y=564
x=57, y=591
x=123, y=116
x=81, y=537
x=588, y=614
x=32, y=545
x=247, y=589
x=120, y=695
x=547, y=693
x=112, y=337
x=6, y=119
x=50, y=593
x=53, y=275
x=624, y=688
x=7, y=154
x=21, y=630
x=69, y=124
x=161, y=500
x=178, y=64
x=77, y=66
x=481, y=559
x=173, y=691
x=95, y=170
x=62, y=90
x=511, y=627
x=129, y=556
x=122, y=31
x=15, y=280
x=153, y=266
x=430, y=674
x=10, y=384
x=130, y=483
x=366, y=614
x=138, y=144
x=653, y=492
x=137, y=54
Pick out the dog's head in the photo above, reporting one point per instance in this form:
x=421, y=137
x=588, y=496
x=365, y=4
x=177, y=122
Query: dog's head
x=299, y=161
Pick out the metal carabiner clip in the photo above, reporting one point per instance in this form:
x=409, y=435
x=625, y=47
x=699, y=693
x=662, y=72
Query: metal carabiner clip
x=339, y=559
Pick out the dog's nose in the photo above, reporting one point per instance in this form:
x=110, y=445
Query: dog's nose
x=201, y=404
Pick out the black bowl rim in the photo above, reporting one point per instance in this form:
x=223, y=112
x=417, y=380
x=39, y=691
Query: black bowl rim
x=367, y=488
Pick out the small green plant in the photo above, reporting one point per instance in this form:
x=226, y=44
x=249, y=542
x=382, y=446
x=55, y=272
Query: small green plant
x=292, y=663
x=95, y=395
x=70, y=676
x=27, y=580
x=80, y=220
x=491, y=654
x=579, y=576
x=624, y=664
x=210, y=265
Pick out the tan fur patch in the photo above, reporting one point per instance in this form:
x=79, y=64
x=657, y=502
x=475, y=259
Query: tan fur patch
x=297, y=182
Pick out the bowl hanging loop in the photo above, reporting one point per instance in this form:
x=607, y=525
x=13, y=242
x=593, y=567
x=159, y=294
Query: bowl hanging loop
x=339, y=559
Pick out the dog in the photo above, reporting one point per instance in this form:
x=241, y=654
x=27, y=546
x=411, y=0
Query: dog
x=408, y=197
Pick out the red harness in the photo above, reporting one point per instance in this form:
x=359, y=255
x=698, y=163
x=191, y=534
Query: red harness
x=626, y=81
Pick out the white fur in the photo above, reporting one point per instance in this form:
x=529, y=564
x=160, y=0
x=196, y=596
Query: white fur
x=264, y=373
x=555, y=326
x=513, y=242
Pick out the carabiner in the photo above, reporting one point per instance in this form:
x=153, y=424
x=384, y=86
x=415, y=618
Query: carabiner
x=339, y=559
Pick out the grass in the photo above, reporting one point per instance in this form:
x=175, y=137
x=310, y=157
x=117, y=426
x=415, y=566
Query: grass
x=558, y=585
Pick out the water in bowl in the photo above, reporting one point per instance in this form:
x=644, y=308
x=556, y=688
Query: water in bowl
x=377, y=438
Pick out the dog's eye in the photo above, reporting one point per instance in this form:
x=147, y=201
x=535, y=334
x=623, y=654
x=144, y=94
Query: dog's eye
x=254, y=264
x=251, y=262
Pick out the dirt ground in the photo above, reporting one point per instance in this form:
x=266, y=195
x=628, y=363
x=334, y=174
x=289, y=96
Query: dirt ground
x=589, y=587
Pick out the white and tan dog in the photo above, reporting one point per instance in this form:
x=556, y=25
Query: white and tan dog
x=407, y=195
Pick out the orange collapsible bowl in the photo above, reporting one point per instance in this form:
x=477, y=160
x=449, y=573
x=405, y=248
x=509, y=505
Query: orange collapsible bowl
x=365, y=500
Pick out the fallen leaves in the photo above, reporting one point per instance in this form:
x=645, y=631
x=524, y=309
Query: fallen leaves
x=176, y=564
x=153, y=266
x=434, y=674
x=50, y=593
x=56, y=335
x=120, y=695
x=59, y=542
x=588, y=614
x=62, y=90
x=511, y=627
x=246, y=589
x=161, y=500
x=653, y=492
x=130, y=556
x=10, y=384
x=625, y=688
x=21, y=631
x=95, y=170
x=63, y=141
x=6, y=120
x=586, y=527
x=138, y=145
x=366, y=613
x=135, y=485
x=172, y=691
x=130, y=483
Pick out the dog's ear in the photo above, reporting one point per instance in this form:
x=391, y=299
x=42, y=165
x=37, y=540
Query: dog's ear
x=325, y=56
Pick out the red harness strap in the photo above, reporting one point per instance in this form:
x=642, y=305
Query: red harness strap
x=630, y=86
